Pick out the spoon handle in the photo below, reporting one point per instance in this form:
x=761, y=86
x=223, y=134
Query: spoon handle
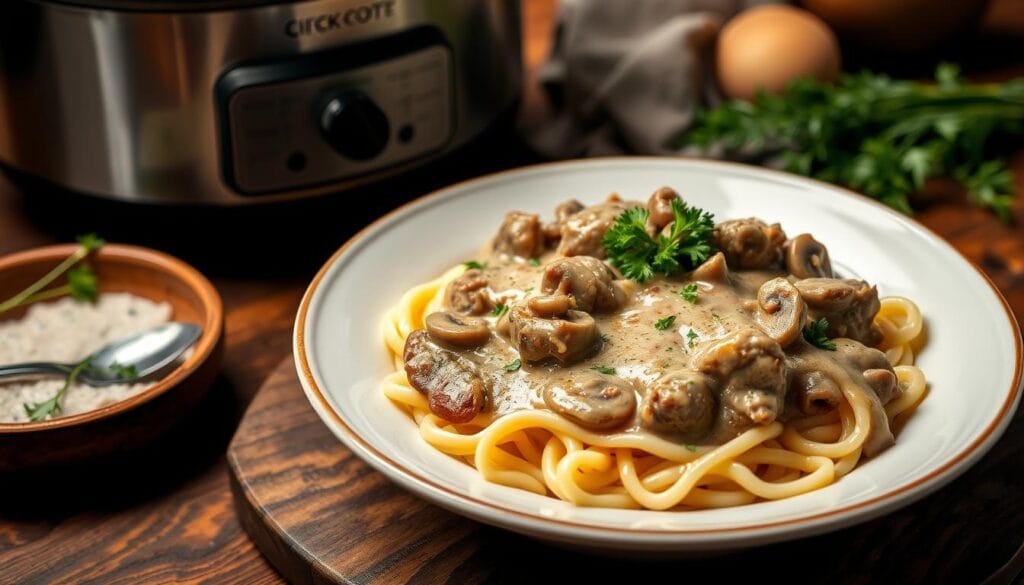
x=33, y=368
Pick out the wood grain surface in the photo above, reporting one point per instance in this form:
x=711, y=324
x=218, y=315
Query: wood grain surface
x=166, y=514
x=323, y=516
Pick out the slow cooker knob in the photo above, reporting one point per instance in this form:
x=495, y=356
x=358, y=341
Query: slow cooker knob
x=354, y=126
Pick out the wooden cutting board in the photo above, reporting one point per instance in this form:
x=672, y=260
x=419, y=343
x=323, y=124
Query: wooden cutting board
x=321, y=515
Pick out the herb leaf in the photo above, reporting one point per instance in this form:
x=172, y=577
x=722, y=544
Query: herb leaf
x=499, y=309
x=513, y=365
x=639, y=256
x=814, y=333
x=665, y=323
x=689, y=293
x=691, y=338
x=46, y=409
x=534, y=261
x=877, y=135
x=83, y=283
x=691, y=448
x=604, y=370
x=474, y=265
x=91, y=242
x=124, y=372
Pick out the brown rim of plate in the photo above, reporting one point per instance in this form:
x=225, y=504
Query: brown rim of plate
x=212, y=328
x=307, y=373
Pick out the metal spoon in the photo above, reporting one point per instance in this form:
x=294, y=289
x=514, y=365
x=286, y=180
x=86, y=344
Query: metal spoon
x=142, y=354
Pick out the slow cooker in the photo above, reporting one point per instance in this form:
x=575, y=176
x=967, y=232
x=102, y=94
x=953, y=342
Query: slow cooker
x=238, y=101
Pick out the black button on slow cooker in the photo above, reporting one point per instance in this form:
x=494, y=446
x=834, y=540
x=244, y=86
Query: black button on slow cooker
x=354, y=126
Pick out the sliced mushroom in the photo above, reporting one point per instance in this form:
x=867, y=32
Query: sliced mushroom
x=467, y=294
x=457, y=330
x=454, y=388
x=780, y=311
x=550, y=306
x=680, y=402
x=520, y=235
x=545, y=328
x=714, y=269
x=589, y=281
x=659, y=209
x=750, y=243
x=591, y=400
x=815, y=393
x=807, y=258
x=849, y=306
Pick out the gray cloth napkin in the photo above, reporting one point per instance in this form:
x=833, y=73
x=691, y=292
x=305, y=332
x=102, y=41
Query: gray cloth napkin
x=626, y=76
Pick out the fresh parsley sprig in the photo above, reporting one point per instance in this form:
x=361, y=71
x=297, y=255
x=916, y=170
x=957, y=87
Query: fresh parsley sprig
x=880, y=136
x=815, y=334
x=82, y=282
x=44, y=410
x=639, y=256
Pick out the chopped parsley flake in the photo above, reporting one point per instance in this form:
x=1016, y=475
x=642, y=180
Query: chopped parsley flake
x=604, y=370
x=691, y=338
x=690, y=447
x=474, y=265
x=534, y=261
x=513, y=365
x=499, y=309
x=689, y=293
x=665, y=323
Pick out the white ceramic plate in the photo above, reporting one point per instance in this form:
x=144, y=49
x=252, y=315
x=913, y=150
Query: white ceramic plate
x=972, y=359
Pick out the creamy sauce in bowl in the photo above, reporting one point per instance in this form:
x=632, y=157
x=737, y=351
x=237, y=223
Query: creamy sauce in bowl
x=67, y=331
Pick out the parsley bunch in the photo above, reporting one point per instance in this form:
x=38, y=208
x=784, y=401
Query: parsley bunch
x=880, y=136
x=639, y=256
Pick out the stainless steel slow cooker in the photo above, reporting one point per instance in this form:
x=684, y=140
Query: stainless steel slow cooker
x=238, y=101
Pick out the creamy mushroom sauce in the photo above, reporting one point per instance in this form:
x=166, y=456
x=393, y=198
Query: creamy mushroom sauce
x=707, y=345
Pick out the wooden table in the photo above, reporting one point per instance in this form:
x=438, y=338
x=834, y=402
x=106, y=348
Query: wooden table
x=166, y=514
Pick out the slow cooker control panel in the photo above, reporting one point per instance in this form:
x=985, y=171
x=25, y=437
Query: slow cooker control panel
x=317, y=119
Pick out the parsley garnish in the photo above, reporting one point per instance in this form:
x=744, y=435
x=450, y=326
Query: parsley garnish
x=639, y=256
x=474, y=265
x=82, y=283
x=604, y=370
x=814, y=333
x=513, y=365
x=880, y=136
x=689, y=293
x=124, y=372
x=690, y=447
x=665, y=323
x=605, y=338
x=691, y=338
x=46, y=409
x=499, y=309
x=534, y=261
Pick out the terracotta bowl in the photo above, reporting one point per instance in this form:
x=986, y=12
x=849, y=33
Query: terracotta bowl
x=137, y=420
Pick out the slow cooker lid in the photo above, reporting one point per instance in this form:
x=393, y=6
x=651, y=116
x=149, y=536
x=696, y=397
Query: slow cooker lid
x=169, y=5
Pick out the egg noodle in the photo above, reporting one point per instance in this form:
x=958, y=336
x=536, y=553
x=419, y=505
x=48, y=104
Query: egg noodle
x=540, y=451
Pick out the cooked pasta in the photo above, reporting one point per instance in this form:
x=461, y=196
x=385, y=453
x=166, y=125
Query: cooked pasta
x=639, y=460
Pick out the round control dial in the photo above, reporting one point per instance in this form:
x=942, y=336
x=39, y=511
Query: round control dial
x=354, y=126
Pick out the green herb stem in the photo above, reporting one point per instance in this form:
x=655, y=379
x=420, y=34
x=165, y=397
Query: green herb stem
x=18, y=299
x=43, y=410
